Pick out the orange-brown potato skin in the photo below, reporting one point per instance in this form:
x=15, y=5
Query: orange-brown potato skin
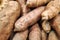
x=29, y=19
x=8, y=17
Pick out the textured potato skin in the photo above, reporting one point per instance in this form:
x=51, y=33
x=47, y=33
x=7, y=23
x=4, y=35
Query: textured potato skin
x=44, y=35
x=21, y=2
x=46, y=26
x=36, y=3
x=3, y=4
x=35, y=32
x=56, y=24
x=52, y=9
x=52, y=36
x=7, y=18
x=29, y=19
x=21, y=35
x=24, y=8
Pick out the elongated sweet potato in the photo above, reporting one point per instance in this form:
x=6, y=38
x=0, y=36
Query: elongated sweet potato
x=52, y=36
x=36, y=3
x=52, y=9
x=46, y=26
x=35, y=33
x=7, y=18
x=25, y=21
x=56, y=24
x=21, y=35
x=24, y=8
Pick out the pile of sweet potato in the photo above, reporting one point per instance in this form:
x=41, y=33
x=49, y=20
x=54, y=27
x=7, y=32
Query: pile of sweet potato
x=29, y=19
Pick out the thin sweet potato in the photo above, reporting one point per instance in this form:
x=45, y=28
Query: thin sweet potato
x=29, y=19
x=7, y=18
x=35, y=33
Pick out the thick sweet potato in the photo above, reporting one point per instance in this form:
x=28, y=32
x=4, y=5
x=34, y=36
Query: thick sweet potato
x=52, y=9
x=7, y=18
x=25, y=21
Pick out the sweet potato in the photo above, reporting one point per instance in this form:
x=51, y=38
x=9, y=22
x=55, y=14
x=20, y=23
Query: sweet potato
x=52, y=9
x=35, y=33
x=7, y=18
x=25, y=21
x=24, y=34
x=52, y=36
x=46, y=26
x=21, y=35
x=24, y=8
x=56, y=24
x=44, y=35
x=36, y=3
